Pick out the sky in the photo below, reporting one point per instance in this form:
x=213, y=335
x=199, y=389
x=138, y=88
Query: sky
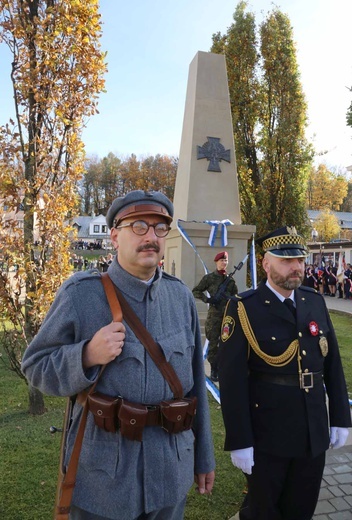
x=150, y=45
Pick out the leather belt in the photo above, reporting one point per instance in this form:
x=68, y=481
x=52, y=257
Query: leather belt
x=304, y=381
x=153, y=415
x=115, y=413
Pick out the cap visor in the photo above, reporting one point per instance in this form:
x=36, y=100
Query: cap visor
x=144, y=212
x=289, y=253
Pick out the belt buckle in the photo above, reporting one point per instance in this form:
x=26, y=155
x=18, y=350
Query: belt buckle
x=303, y=385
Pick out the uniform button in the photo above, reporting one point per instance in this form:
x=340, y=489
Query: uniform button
x=300, y=334
x=307, y=390
x=320, y=332
x=304, y=352
x=256, y=405
x=273, y=338
x=303, y=299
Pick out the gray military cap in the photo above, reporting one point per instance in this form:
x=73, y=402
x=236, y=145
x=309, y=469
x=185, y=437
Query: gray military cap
x=137, y=203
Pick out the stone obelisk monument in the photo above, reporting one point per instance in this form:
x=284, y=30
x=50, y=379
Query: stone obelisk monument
x=206, y=182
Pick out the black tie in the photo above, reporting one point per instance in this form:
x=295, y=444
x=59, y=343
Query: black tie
x=289, y=303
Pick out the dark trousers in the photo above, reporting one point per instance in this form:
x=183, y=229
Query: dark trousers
x=212, y=333
x=283, y=488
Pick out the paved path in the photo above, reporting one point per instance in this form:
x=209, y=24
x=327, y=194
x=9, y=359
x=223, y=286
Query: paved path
x=335, y=498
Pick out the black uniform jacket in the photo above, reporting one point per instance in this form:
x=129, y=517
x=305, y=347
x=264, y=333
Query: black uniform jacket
x=278, y=419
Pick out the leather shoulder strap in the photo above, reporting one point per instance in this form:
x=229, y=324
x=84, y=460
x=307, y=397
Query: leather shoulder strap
x=153, y=349
x=114, y=303
x=67, y=480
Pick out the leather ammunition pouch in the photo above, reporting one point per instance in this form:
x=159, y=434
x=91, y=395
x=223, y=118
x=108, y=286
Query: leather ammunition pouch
x=177, y=414
x=132, y=418
x=115, y=413
x=105, y=409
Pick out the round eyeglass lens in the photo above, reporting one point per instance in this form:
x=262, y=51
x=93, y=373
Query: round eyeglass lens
x=161, y=229
x=140, y=227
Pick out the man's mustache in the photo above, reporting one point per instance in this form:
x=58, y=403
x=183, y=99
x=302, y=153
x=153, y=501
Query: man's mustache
x=148, y=247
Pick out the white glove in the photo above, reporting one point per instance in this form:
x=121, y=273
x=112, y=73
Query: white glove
x=243, y=459
x=338, y=436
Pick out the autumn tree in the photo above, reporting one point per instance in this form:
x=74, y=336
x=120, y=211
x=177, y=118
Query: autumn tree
x=112, y=177
x=327, y=225
x=269, y=118
x=326, y=189
x=57, y=72
x=347, y=201
x=100, y=183
x=349, y=113
x=89, y=187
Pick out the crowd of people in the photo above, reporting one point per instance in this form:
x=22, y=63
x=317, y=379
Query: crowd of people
x=81, y=263
x=326, y=279
x=88, y=245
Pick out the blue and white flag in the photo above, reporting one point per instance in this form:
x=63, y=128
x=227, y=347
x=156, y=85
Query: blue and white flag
x=213, y=389
x=185, y=235
x=253, y=264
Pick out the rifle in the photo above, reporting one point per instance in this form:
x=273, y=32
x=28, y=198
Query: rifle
x=218, y=296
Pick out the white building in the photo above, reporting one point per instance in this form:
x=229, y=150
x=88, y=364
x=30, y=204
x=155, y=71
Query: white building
x=91, y=231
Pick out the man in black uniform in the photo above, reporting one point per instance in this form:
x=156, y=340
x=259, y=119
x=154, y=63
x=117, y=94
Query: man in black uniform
x=274, y=360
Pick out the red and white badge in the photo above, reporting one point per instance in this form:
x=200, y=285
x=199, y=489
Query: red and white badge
x=313, y=328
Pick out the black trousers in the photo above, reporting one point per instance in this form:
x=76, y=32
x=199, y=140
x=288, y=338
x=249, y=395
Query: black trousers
x=283, y=488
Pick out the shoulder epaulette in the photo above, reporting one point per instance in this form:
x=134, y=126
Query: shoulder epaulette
x=246, y=294
x=242, y=296
x=308, y=289
x=81, y=276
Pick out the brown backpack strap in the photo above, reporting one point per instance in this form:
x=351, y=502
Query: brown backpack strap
x=114, y=303
x=67, y=479
x=153, y=349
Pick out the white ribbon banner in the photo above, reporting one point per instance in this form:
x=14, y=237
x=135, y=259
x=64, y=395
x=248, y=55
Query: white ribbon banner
x=215, y=224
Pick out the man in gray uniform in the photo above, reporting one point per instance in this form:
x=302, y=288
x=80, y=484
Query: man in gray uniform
x=117, y=478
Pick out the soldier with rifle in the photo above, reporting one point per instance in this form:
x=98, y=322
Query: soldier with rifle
x=220, y=286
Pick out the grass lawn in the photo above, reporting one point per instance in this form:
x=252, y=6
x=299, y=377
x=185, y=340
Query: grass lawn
x=29, y=453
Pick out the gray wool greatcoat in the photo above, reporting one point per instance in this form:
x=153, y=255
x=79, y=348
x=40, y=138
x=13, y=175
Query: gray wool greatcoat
x=118, y=478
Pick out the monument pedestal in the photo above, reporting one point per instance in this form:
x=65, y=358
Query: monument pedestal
x=182, y=261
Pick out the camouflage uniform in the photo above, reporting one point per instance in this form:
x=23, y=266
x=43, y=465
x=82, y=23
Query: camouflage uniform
x=211, y=282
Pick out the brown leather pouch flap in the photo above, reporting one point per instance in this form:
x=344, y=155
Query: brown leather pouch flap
x=133, y=413
x=104, y=406
x=133, y=418
x=177, y=414
x=174, y=410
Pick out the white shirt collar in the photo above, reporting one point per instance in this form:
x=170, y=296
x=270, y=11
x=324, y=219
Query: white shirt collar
x=281, y=298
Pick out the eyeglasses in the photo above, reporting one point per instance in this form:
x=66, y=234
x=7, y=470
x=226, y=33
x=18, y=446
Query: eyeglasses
x=139, y=227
